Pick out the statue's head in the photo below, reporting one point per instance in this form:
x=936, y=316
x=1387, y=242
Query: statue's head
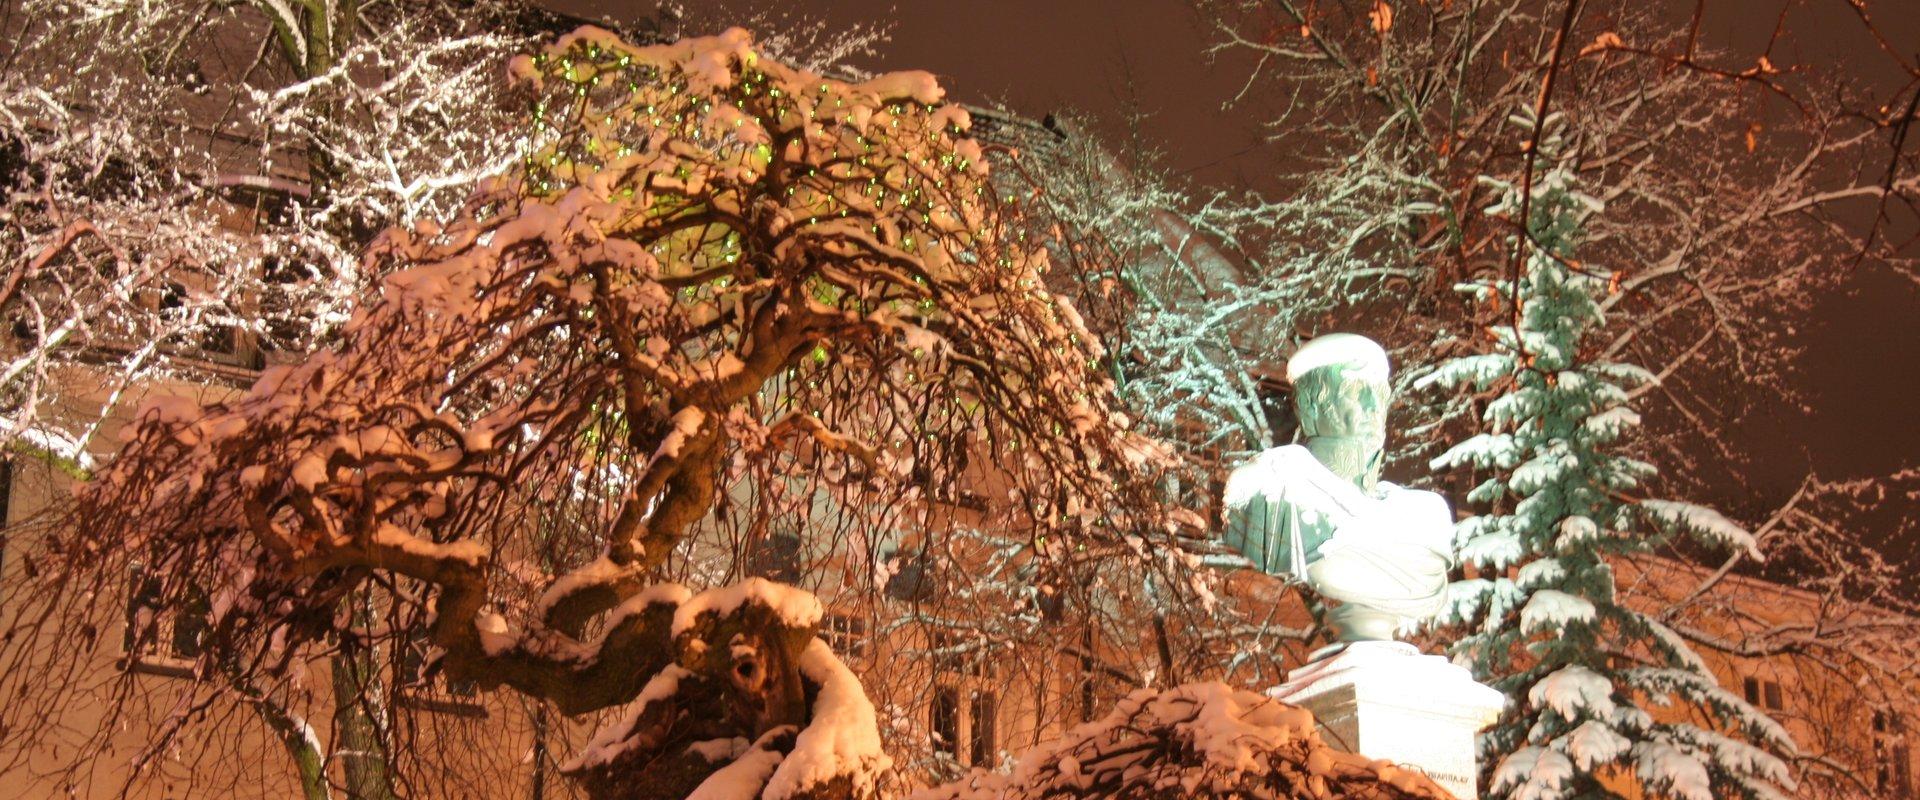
x=1340, y=392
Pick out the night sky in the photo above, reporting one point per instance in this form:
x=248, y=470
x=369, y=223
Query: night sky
x=1861, y=365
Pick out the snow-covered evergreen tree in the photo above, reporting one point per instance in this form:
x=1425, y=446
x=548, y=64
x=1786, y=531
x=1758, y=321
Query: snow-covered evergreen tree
x=1604, y=701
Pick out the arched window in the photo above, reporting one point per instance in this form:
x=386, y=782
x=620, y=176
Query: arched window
x=162, y=637
x=984, y=746
x=943, y=721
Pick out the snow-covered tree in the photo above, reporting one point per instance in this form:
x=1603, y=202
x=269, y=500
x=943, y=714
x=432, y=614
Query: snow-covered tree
x=1157, y=267
x=1606, y=701
x=715, y=289
x=199, y=191
x=191, y=199
x=213, y=222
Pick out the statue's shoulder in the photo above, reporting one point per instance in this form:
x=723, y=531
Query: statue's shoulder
x=1284, y=455
x=1269, y=473
x=1420, y=499
x=1285, y=459
x=1421, y=516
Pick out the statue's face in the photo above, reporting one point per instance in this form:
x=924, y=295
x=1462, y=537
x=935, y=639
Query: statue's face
x=1335, y=402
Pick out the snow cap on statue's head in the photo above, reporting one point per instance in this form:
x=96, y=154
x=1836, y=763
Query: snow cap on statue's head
x=1363, y=357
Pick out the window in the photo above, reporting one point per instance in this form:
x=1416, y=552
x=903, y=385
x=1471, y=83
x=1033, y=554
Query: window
x=983, y=747
x=1894, y=771
x=158, y=638
x=256, y=202
x=207, y=338
x=847, y=635
x=911, y=581
x=202, y=338
x=950, y=492
x=1764, y=693
x=959, y=498
x=943, y=720
x=954, y=656
x=287, y=318
x=776, y=558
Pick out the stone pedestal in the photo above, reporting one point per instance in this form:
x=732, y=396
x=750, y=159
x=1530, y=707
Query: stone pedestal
x=1386, y=700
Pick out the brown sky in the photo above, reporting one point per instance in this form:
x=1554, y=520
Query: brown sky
x=1861, y=365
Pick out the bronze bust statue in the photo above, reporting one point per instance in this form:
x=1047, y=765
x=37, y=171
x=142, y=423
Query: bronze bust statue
x=1318, y=511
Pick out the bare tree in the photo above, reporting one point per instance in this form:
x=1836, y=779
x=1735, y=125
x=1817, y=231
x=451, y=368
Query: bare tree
x=1733, y=181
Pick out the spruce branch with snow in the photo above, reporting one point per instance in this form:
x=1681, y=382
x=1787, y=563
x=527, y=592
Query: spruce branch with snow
x=1830, y=602
x=1605, y=700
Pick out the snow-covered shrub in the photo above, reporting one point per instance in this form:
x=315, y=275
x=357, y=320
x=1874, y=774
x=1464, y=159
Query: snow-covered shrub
x=1193, y=741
